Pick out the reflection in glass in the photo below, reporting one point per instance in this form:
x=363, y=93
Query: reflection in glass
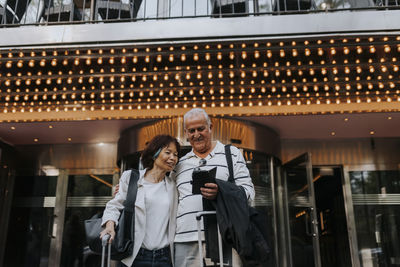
x=300, y=216
x=375, y=182
x=75, y=251
x=378, y=235
x=35, y=186
x=377, y=216
x=31, y=220
x=28, y=240
x=265, y=6
x=343, y=4
x=257, y=163
x=89, y=185
x=331, y=215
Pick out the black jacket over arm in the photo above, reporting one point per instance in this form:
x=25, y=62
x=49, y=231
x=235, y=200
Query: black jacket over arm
x=234, y=217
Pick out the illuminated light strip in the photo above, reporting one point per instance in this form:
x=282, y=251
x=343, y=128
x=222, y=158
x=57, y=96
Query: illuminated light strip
x=138, y=51
x=77, y=79
x=255, y=110
x=143, y=51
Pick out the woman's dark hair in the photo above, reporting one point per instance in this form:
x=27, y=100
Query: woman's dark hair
x=157, y=143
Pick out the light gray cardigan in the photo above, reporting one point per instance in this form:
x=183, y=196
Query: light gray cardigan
x=115, y=205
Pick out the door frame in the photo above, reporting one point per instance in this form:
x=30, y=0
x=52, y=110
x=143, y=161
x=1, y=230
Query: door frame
x=56, y=232
x=6, y=197
x=275, y=208
x=283, y=195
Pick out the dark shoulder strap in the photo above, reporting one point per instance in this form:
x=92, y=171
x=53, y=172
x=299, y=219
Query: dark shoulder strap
x=228, y=156
x=132, y=191
x=129, y=206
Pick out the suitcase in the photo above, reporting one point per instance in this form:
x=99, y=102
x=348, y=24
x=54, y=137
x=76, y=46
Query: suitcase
x=104, y=244
x=199, y=215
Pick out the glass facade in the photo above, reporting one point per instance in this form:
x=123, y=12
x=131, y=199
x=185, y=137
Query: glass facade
x=30, y=225
x=259, y=166
x=86, y=195
x=29, y=237
x=33, y=230
x=75, y=251
x=376, y=199
x=375, y=195
x=89, y=185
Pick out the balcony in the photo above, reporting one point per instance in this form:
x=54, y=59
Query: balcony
x=47, y=12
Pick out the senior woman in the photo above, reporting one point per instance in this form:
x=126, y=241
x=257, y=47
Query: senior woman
x=155, y=206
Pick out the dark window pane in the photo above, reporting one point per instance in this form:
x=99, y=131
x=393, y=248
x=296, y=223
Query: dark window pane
x=75, y=251
x=375, y=182
x=378, y=233
x=89, y=185
x=28, y=241
x=35, y=186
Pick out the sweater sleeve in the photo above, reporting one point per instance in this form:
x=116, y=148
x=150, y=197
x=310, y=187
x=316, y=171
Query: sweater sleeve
x=116, y=204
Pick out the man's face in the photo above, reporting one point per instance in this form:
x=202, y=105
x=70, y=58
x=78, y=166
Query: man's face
x=198, y=133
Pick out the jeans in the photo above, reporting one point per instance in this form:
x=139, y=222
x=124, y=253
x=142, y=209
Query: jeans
x=153, y=258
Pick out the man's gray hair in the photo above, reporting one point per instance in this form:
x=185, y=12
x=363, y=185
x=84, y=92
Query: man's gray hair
x=195, y=112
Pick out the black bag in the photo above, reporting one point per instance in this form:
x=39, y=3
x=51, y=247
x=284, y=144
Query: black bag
x=122, y=245
x=258, y=223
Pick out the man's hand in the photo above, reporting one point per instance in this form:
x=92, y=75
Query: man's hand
x=210, y=191
x=116, y=190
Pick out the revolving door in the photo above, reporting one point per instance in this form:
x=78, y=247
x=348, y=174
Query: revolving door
x=284, y=192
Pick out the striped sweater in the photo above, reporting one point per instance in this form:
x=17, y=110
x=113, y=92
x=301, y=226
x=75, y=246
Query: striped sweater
x=189, y=204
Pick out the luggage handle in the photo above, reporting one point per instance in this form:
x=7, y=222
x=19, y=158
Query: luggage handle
x=104, y=242
x=198, y=218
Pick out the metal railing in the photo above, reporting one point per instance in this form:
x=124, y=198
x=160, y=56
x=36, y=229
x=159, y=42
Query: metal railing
x=28, y=12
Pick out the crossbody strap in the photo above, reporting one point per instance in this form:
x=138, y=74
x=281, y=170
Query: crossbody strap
x=228, y=156
x=129, y=205
x=132, y=191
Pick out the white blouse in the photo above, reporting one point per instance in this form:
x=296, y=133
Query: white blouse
x=157, y=215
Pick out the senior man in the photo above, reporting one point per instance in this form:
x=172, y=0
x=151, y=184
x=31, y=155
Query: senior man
x=208, y=153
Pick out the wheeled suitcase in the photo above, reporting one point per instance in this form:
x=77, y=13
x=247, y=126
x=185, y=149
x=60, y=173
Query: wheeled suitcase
x=104, y=244
x=199, y=215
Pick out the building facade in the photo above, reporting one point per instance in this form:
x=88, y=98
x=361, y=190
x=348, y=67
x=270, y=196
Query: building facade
x=309, y=90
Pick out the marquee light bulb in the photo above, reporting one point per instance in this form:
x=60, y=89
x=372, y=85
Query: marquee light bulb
x=372, y=49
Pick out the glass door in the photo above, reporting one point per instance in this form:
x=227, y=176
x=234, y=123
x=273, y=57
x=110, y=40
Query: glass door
x=87, y=194
x=34, y=225
x=261, y=170
x=300, y=220
x=46, y=226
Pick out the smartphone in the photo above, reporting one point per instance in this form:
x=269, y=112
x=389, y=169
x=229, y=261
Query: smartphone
x=201, y=177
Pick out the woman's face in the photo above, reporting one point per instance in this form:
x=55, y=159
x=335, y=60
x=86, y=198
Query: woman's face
x=168, y=158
